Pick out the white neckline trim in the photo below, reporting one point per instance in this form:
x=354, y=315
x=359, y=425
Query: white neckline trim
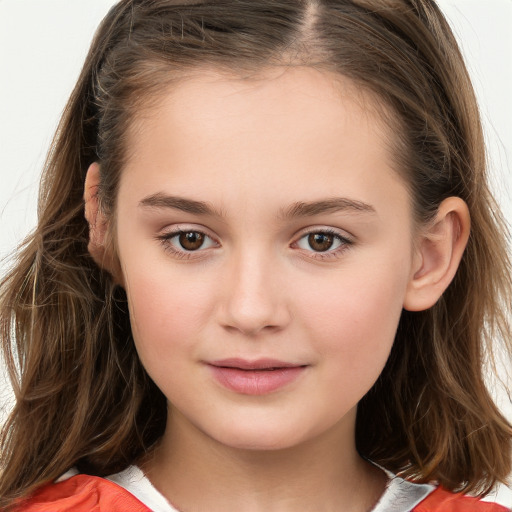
x=402, y=496
x=135, y=482
x=399, y=496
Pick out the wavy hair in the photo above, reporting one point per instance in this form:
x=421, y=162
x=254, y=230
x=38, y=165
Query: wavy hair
x=83, y=398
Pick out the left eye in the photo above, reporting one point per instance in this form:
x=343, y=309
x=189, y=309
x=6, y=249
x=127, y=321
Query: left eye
x=190, y=241
x=321, y=242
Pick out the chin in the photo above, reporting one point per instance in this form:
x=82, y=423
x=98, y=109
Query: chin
x=262, y=438
x=262, y=445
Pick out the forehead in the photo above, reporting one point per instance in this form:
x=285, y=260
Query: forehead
x=199, y=90
x=281, y=125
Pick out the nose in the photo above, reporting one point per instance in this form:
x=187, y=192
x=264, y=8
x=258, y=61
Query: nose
x=254, y=299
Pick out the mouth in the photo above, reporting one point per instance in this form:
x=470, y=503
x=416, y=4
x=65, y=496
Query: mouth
x=259, y=377
x=259, y=364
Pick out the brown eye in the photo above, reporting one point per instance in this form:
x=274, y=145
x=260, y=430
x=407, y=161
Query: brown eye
x=191, y=240
x=183, y=243
x=320, y=242
x=325, y=243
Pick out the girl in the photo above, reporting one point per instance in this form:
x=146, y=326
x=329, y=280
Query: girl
x=267, y=267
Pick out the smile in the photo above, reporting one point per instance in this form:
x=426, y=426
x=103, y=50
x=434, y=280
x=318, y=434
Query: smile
x=255, y=377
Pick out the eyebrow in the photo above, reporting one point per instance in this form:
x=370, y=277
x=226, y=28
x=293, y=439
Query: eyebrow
x=296, y=210
x=161, y=200
x=331, y=205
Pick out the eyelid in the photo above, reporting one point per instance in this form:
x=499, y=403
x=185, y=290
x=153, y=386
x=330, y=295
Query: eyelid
x=346, y=241
x=167, y=234
x=340, y=233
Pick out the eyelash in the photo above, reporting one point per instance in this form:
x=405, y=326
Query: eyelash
x=165, y=240
x=345, y=243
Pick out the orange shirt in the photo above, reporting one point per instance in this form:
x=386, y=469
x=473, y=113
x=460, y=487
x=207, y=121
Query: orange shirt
x=84, y=493
x=443, y=501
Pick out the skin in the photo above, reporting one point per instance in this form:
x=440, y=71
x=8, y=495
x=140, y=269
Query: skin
x=251, y=151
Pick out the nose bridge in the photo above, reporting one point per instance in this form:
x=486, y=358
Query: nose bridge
x=254, y=300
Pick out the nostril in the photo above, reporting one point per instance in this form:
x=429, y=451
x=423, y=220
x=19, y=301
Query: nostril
x=252, y=301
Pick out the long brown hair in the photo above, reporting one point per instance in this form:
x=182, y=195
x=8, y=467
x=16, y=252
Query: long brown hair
x=83, y=398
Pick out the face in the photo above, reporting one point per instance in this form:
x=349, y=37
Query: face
x=266, y=245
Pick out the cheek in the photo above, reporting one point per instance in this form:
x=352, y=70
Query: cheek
x=355, y=316
x=165, y=310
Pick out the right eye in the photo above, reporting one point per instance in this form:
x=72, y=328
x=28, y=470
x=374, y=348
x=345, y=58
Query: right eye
x=320, y=242
x=190, y=240
x=187, y=241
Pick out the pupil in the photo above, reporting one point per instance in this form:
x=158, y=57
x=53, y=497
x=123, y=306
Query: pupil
x=320, y=241
x=192, y=240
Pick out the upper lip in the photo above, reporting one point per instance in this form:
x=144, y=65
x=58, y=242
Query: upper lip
x=258, y=364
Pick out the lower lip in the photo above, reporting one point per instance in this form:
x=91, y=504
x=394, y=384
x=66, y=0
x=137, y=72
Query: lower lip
x=256, y=382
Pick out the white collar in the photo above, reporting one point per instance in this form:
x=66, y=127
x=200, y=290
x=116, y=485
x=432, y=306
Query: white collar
x=399, y=496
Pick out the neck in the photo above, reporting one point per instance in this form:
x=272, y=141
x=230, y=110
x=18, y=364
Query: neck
x=325, y=473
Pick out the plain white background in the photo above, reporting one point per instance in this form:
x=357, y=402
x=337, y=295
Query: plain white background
x=43, y=45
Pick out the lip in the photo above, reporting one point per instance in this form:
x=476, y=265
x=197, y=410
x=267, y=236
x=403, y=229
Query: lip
x=258, y=377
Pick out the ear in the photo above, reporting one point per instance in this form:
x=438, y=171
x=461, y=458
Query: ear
x=439, y=250
x=99, y=244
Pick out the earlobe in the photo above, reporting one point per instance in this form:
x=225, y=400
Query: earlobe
x=98, y=245
x=439, y=251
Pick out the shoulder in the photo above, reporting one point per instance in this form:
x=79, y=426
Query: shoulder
x=403, y=495
x=82, y=493
x=441, y=500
